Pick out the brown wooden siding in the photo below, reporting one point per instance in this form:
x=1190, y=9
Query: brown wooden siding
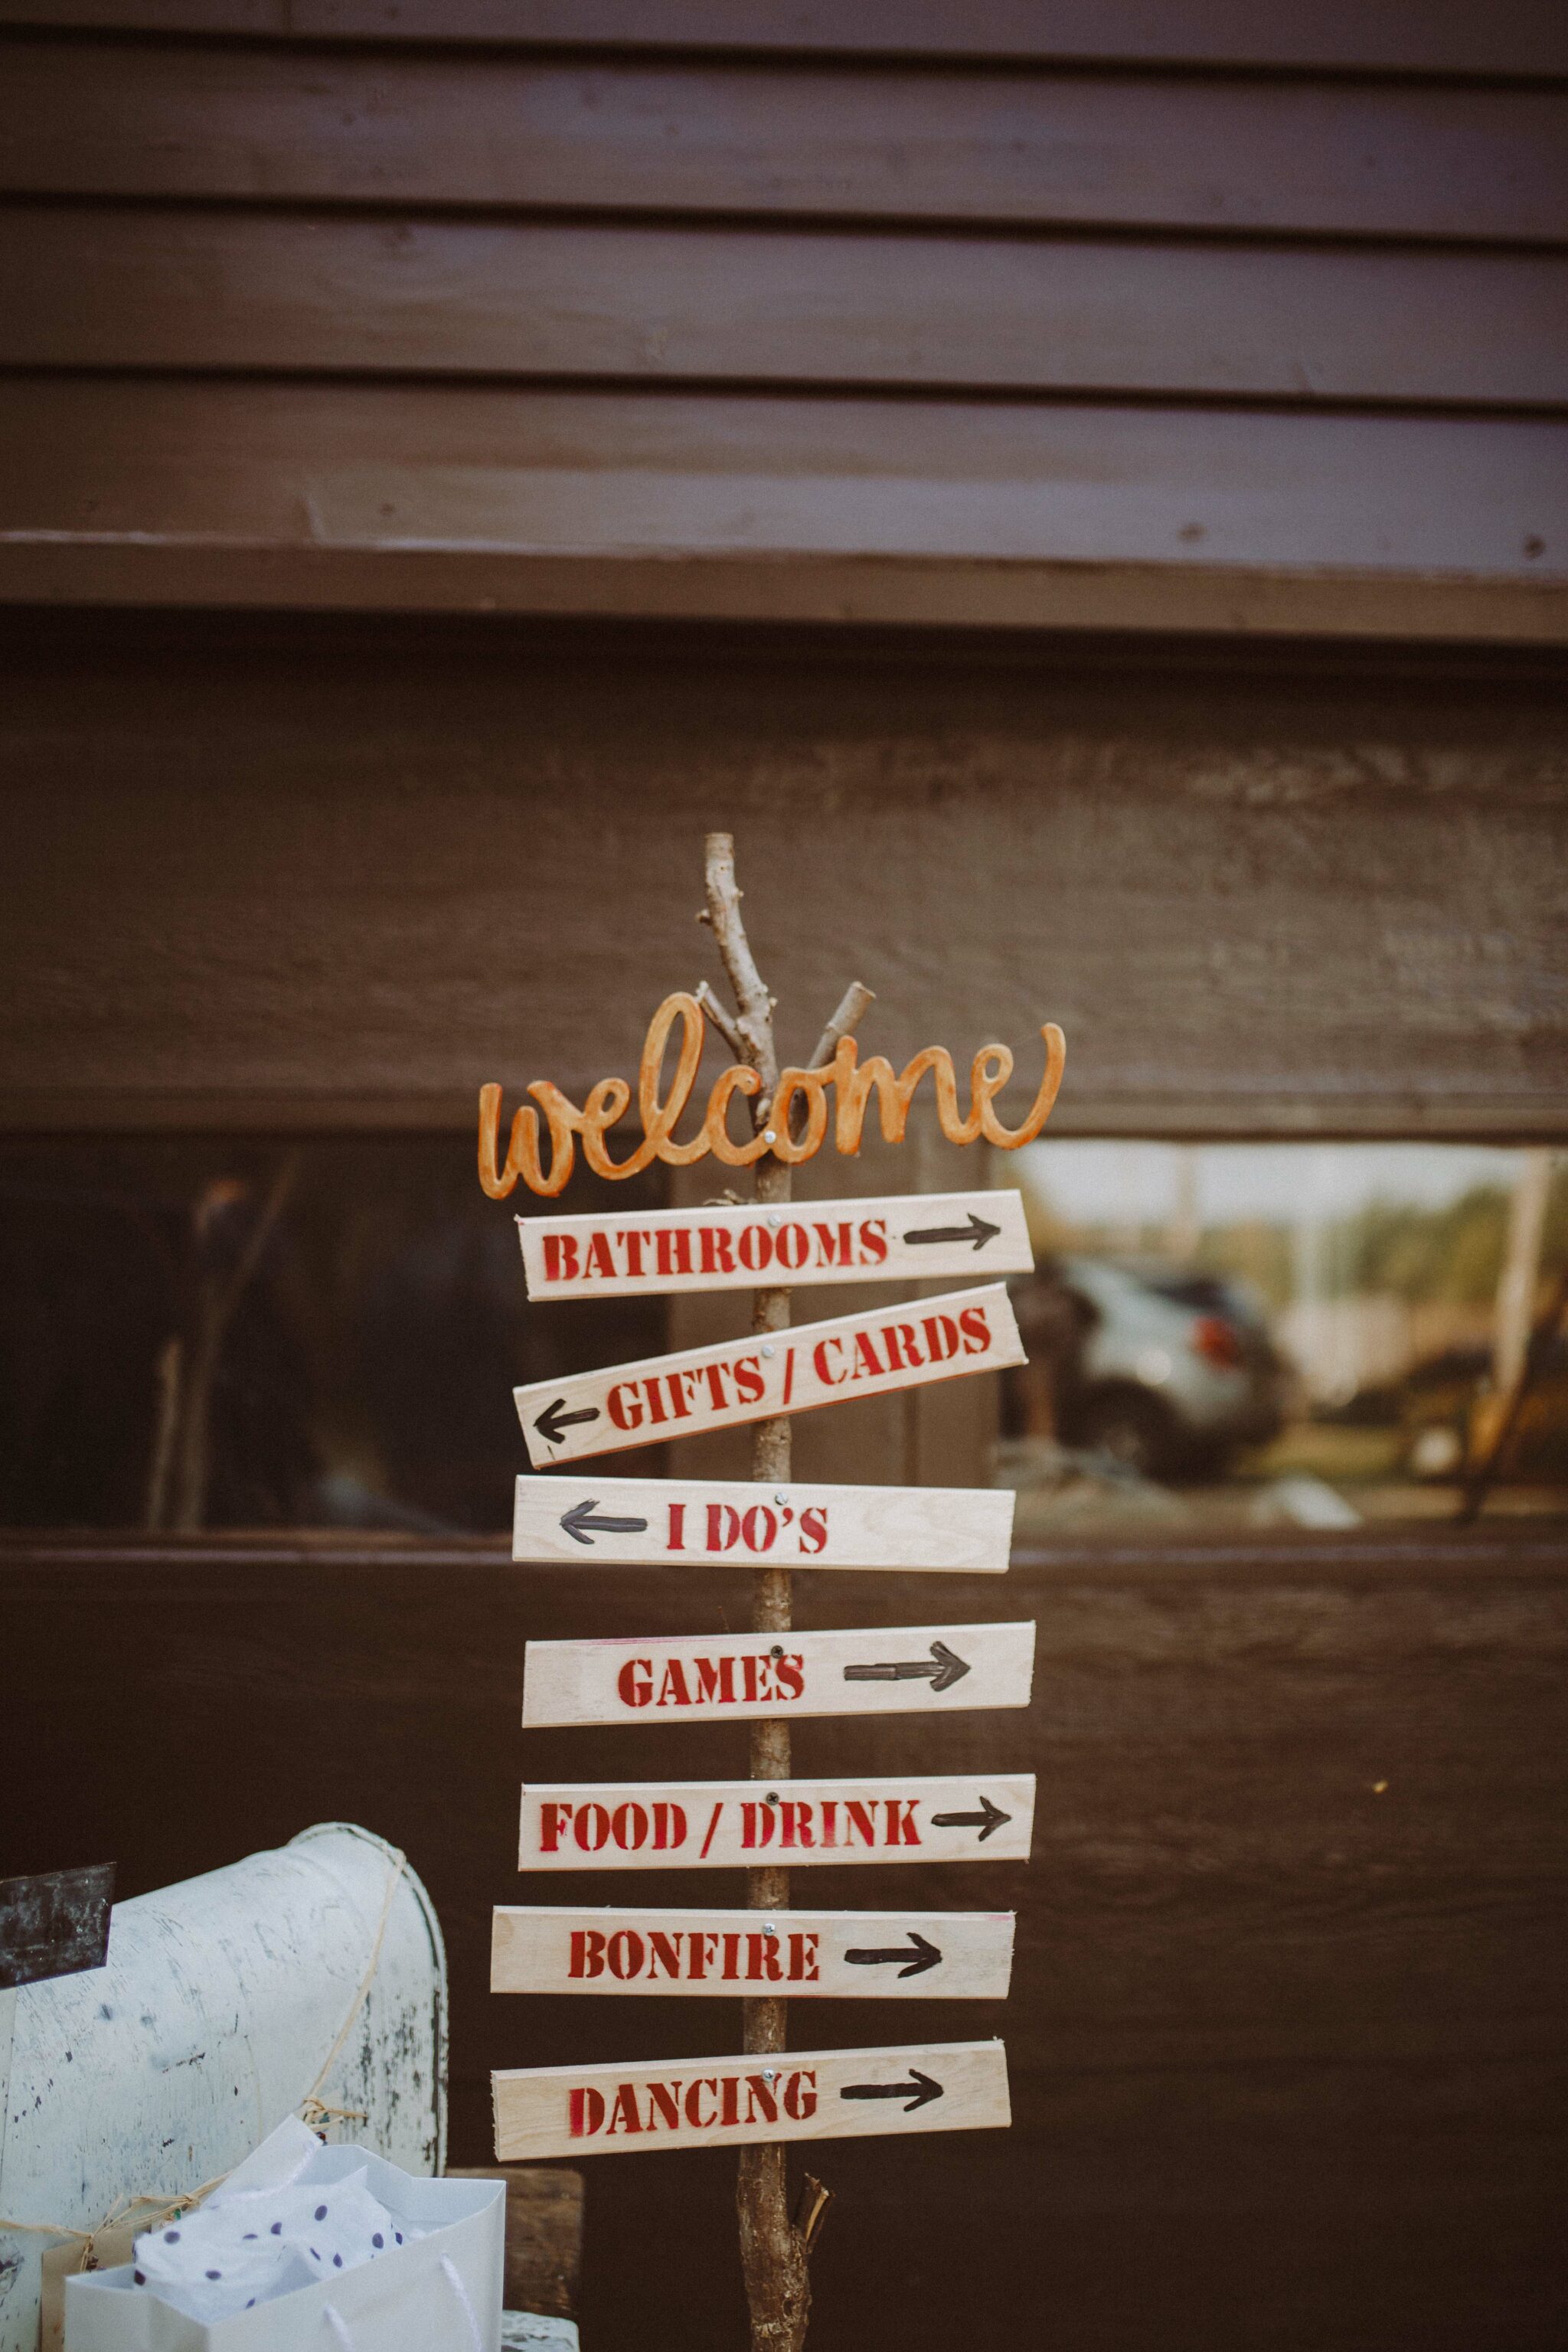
x=1257, y=303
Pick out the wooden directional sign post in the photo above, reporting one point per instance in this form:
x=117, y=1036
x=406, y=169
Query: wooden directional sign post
x=690, y=1522
x=762, y=1378
x=545, y=2111
x=864, y=1954
x=726, y=1824
x=926, y=1237
x=761, y=2100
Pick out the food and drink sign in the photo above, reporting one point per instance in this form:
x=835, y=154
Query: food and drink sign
x=968, y=1239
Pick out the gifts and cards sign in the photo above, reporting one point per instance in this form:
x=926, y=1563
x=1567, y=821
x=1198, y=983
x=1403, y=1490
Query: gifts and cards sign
x=581, y=1519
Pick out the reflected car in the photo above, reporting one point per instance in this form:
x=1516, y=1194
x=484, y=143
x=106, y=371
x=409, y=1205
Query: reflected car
x=1168, y=1370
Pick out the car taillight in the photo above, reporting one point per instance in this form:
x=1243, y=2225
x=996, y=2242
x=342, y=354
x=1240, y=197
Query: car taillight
x=1218, y=1342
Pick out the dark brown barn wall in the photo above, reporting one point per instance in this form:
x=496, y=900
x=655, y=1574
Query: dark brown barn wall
x=262, y=873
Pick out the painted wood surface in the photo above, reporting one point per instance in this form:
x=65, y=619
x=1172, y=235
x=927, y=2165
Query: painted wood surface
x=724, y=1387
x=724, y=2101
x=857, y=1955
x=741, y=1677
x=1443, y=37
x=385, y=129
x=94, y=286
x=909, y=1237
x=731, y=1824
x=672, y=1522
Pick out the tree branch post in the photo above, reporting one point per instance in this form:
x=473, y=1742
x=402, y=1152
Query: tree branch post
x=773, y=2250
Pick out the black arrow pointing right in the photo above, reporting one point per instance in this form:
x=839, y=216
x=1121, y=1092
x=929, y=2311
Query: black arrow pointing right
x=990, y=1817
x=942, y=1669
x=976, y=1231
x=918, y=2090
x=917, y=1956
x=555, y=1421
x=581, y=1526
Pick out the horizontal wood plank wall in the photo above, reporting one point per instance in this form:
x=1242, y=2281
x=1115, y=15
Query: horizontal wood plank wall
x=263, y=871
x=1286, y=2045
x=1224, y=271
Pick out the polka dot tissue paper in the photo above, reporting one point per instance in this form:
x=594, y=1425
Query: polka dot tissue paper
x=305, y=2246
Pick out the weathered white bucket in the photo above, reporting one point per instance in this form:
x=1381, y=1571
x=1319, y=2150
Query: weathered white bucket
x=221, y=2003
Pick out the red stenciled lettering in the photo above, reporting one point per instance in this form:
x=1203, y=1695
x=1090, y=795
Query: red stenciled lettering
x=672, y=1690
x=694, y=2116
x=599, y=1260
x=716, y=1375
x=902, y=1344
x=819, y=1362
x=717, y=1250
x=669, y=1827
x=673, y=1251
x=749, y=1385
x=757, y=1825
x=584, y=2111
x=790, y=1672
x=587, y=1953
x=812, y=1529
x=797, y=1828
x=873, y=1241
x=716, y=1681
x=830, y=1821
x=761, y=2095
x=760, y=1528
x=749, y=1678
x=560, y=1258
x=629, y=1824
x=793, y=1248
x=800, y=2096
x=663, y=1951
x=680, y=1395
x=655, y=1401
x=868, y=1364
x=625, y=1406
x=728, y=2100
x=702, y=1950
x=861, y=1818
x=592, y=1830
x=754, y=1248
x=803, y=1957
x=634, y=1681
x=626, y=1954
x=731, y=1943
x=832, y=1244
x=664, y=2101
x=623, y=2116
x=902, y=1829
x=975, y=1328
x=676, y=1537
x=723, y=1527
x=941, y=1336
x=632, y=1242
x=765, y=1963
x=553, y=1817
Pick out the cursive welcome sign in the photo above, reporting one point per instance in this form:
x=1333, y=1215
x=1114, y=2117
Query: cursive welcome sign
x=803, y=1091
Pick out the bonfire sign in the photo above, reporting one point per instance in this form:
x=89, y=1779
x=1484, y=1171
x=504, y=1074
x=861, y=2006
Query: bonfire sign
x=769, y=1952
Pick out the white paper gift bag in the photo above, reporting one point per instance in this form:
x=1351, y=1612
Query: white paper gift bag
x=432, y=2283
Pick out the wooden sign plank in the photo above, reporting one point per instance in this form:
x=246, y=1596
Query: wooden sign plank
x=729, y=1824
x=747, y=1380
x=858, y=1955
x=645, y=2105
x=617, y=1521
x=740, y=1677
x=55, y=1924
x=908, y=1237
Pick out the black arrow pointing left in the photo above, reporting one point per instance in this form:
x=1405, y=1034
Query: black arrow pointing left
x=917, y=1956
x=581, y=1526
x=918, y=2090
x=942, y=1669
x=976, y=1231
x=554, y=1422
